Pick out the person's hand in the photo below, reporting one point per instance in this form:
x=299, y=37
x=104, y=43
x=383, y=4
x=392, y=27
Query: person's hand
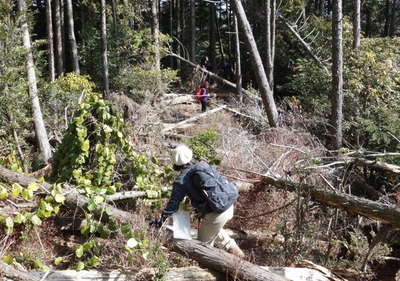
x=156, y=223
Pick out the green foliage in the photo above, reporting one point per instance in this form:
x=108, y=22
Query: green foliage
x=371, y=91
x=138, y=82
x=203, y=146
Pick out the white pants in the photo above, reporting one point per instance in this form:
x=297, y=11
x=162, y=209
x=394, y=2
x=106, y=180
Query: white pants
x=211, y=229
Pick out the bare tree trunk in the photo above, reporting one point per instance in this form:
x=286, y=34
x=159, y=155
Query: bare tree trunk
x=50, y=40
x=40, y=129
x=337, y=74
x=212, y=39
x=114, y=16
x=386, y=27
x=265, y=89
x=193, y=31
x=392, y=26
x=178, y=33
x=238, y=66
x=71, y=37
x=59, y=39
x=220, y=45
x=221, y=261
x=357, y=24
x=104, y=55
x=171, y=28
x=273, y=34
x=156, y=38
x=387, y=213
x=268, y=43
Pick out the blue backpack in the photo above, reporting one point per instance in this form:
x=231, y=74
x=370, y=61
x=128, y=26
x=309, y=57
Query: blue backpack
x=218, y=191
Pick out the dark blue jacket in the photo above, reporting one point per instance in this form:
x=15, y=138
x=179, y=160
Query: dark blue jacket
x=187, y=185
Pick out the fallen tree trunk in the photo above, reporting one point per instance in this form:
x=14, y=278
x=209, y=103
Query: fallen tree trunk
x=16, y=275
x=172, y=99
x=386, y=213
x=72, y=196
x=224, y=262
x=191, y=119
x=378, y=165
x=215, y=76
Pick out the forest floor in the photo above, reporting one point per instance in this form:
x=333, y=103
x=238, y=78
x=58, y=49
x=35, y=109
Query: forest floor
x=274, y=228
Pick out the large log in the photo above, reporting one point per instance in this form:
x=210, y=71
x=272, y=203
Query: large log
x=387, y=213
x=16, y=275
x=72, y=195
x=224, y=262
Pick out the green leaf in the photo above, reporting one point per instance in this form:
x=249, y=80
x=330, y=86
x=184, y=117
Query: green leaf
x=80, y=266
x=33, y=186
x=58, y=260
x=98, y=199
x=8, y=259
x=9, y=226
x=94, y=261
x=3, y=193
x=36, y=220
x=19, y=218
x=85, y=146
x=27, y=194
x=16, y=190
x=59, y=198
x=79, y=252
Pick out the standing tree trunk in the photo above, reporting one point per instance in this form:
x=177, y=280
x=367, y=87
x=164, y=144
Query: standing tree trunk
x=193, y=31
x=212, y=39
x=40, y=129
x=357, y=24
x=265, y=89
x=392, y=25
x=273, y=33
x=238, y=68
x=59, y=39
x=386, y=27
x=50, y=42
x=104, y=56
x=171, y=28
x=268, y=43
x=337, y=74
x=367, y=20
x=71, y=37
x=114, y=16
x=156, y=38
x=178, y=33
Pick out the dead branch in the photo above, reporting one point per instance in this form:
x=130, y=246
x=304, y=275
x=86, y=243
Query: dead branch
x=215, y=76
x=304, y=43
x=126, y=195
x=72, y=196
x=201, y=115
x=387, y=213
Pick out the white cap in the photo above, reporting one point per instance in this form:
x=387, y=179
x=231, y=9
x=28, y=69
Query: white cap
x=181, y=155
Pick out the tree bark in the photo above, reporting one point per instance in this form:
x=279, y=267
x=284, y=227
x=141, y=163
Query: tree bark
x=72, y=196
x=268, y=43
x=224, y=262
x=265, y=88
x=40, y=129
x=212, y=38
x=71, y=37
x=193, y=31
x=337, y=75
x=59, y=39
x=156, y=39
x=392, y=26
x=382, y=212
x=386, y=27
x=357, y=24
x=238, y=65
x=104, y=56
x=50, y=41
x=16, y=275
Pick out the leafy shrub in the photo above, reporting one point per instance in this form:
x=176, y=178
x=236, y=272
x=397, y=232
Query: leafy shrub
x=203, y=146
x=371, y=91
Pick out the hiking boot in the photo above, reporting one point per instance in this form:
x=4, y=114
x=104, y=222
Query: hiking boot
x=235, y=250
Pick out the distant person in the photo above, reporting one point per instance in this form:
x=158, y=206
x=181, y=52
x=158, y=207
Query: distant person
x=202, y=95
x=210, y=194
